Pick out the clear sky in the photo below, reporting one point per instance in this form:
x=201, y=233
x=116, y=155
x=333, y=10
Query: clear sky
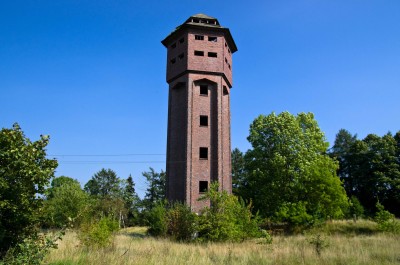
x=91, y=74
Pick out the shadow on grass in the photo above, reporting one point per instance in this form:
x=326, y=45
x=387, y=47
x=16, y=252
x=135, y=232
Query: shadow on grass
x=136, y=235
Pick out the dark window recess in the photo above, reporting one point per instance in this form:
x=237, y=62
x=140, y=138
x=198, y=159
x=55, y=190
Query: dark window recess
x=199, y=37
x=226, y=92
x=199, y=53
x=229, y=66
x=173, y=60
x=212, y=54
x=180, y=56
x=229, y=50
x=173, y=46
x=203, y=153
x=226, y=45
x=204, y=90
x=203, y=120
x=182, y=40
x=226, y=60
x=203, y=186
x=213, y=39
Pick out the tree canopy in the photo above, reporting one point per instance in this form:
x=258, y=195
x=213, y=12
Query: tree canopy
x=24, y=174
x=370, y=169
x=104, y=183
x=289, y=175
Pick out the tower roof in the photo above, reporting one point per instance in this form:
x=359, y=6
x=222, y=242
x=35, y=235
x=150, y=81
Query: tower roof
x=202, y=21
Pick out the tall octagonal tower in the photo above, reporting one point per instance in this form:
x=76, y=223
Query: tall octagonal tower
x=199, y=74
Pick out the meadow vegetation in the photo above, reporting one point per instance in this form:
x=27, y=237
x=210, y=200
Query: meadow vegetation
x=347, y=242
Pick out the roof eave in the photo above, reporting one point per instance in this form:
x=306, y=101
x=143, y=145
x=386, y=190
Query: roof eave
x=182, y=27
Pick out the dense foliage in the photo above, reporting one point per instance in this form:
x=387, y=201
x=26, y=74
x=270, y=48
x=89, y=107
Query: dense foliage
x=155, y=192
x=24, y=173
x=287, y=173
x=66, y=203
x=370, y=169
x=227, y=219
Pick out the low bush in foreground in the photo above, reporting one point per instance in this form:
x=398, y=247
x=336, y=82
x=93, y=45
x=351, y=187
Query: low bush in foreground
x=98, y=233
x=227, y=219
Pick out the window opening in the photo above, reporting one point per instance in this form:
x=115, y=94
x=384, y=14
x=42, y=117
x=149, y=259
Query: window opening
x=180, y=56
x=198, y=53
x=213, y=39
x=173, y=46
x=204, y=90
x=212, y=54
x=182, y=40
x=203, y=186
x=203, y=153
x=203, y=120
x=199, y=37
x=173, y=60
x=226, y=92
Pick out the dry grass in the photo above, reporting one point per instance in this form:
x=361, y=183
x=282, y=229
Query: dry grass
x=132, y=247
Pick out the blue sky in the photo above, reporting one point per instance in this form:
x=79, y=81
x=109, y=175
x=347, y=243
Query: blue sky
x=91, y=74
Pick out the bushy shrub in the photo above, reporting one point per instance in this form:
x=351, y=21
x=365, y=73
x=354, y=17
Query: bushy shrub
x=156, y=219
x=98, y=233
x=227, y=218
x=31, y=250
x=181, y=222
x=356, y=210
x=386, y=220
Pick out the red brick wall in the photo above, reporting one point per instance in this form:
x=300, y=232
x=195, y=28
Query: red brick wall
x=185, y=169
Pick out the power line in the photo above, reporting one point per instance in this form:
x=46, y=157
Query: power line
x=69, y=155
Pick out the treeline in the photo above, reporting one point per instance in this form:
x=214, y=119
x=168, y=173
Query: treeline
x=369, y=169
x=292, y=177
x=104, y=195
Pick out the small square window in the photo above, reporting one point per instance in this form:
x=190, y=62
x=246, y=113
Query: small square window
x=173, y=60
x=213, y=39
x=182, y=40
x=173, y=46
x=199, y=37
x=203, y=90
x=203, y=120
x=212, y=54
x=180, y=56
x=203, y=186
x=198, y=53
x=203, y=153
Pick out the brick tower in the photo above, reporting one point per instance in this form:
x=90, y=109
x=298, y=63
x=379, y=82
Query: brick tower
x=199, y=74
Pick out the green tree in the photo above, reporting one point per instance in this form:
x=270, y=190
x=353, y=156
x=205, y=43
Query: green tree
x=107, y=195
x=227, y=218
x=58, y=182
x=104, y=183
x=155, y=192
x=132, y=200
x=24, y=174
x=341, y=151
x=370, y=169
x=66, y=202
x=290, y=176
x=238, y=171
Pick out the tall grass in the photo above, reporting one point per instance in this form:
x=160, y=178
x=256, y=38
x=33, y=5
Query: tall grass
x=131, y=246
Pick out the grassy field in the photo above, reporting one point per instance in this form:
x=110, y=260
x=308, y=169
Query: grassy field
x=347, y=243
